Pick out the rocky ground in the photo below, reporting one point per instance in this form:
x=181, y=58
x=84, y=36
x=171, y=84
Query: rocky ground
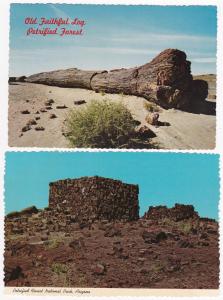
x=37, y=114
x=167, y=248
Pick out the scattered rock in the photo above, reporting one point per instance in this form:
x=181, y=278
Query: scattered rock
x=37, y=112
x=53, y=116
x=37, y=118
x=44, y=238
x=31, y=122
x=111, y=232
x=152, y=118
x=25, y=112
x=26, y=128
x=79, y=102
x=145, y=132
x=49, y=102
x=184, y=244
x=43, y=110
x=77, y=244
x=153, y=237
x=61, y=106
x=99, y=269
x=48, y=107
x=203, y=243
x=39, y=128
x=203, y=236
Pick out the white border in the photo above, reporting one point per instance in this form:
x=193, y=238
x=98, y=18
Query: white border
x=4, y=34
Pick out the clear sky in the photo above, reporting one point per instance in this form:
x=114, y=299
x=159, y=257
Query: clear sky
x=114, y=37
x=163, y=178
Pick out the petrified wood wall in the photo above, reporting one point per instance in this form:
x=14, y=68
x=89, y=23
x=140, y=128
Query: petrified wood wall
x=177, y=213
x=90, y=198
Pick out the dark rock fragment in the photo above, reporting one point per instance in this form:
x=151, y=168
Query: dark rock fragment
x=25, y=112
x=26, y=128
x=53, y=116
x=79, y=102
x=61, y=106
x=31, y=122
x=39, y=128
x=99, y=269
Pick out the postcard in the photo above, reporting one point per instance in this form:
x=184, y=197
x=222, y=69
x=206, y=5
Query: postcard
x=112, y=76
x=111, y=220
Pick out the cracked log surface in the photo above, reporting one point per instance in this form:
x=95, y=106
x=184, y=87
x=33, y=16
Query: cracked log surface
x=166, y=80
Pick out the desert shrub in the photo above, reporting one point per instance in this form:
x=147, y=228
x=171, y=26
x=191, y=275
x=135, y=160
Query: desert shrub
x=102, y=93
x=100, y=124
x=151, y=107
x=185, y=227
x=53, y=243
x=59, y=268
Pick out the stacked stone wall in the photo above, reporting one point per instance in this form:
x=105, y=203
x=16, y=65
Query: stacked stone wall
x=94, y=198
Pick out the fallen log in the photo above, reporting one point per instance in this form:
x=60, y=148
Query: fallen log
x=166, y=80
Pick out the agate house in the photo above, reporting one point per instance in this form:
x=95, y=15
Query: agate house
x=95, y=198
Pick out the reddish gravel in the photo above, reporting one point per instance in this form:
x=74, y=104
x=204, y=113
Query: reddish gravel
x=148, y=253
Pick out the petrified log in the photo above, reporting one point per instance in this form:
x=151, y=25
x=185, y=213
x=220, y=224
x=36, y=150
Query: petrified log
x=166, y=80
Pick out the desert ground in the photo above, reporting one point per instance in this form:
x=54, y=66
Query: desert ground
x=179, y=251
x=28, y=104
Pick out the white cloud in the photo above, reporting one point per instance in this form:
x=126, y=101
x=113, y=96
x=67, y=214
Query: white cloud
x=207, y=60
x=148, y=37
x=59, y=12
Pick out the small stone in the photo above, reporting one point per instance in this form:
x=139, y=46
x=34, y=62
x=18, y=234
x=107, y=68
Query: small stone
x=99, y=269
x=26, y=128
x=79, y=102
x=48, y=107
x=37, y=112
x=39, y=128
x=184, y=244
x=44, y=238
x=31, y=122
x=77, y=244
x=49, y=102
x=141, y=259
x=61, y=106
x=43, y=110
x=53, y=116
x=145, y=132
x=25, y=112
x=37, y=118
x=152, y=118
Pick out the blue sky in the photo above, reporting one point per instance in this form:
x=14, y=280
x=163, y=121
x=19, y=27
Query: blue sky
x=114, y=37
x=163, y=178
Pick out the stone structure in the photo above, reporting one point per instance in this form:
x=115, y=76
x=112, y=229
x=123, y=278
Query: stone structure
x=94, y=198
x=166, y=80
x=177, y=213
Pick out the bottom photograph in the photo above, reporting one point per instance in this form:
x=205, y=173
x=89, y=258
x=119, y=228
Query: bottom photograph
x=111, y=220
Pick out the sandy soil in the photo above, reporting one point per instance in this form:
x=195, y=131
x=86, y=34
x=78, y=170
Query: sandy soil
x=186, y=130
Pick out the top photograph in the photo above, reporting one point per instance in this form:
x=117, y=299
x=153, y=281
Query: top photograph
x=112, y=76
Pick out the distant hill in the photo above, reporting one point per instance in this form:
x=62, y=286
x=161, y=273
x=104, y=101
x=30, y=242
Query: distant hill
x=211, y=79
